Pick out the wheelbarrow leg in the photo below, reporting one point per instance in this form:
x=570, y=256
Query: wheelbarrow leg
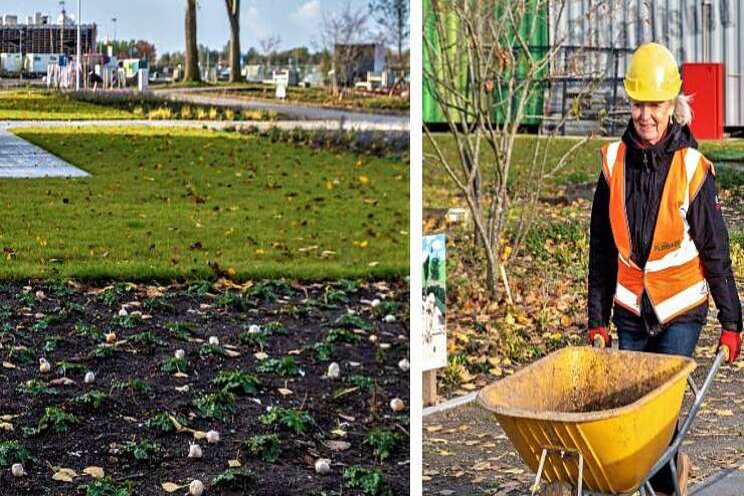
x=650, y=489
x=536, y=486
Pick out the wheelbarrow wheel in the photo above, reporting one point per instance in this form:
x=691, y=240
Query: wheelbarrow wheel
x=558, y=489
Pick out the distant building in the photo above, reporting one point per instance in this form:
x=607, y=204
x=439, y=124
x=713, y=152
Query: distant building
x=38, y=36
x=354, y=61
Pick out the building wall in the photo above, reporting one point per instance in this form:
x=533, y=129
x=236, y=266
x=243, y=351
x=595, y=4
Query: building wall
x=46, y=39
x=678, y=24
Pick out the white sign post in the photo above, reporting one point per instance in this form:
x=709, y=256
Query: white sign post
x=434, y=338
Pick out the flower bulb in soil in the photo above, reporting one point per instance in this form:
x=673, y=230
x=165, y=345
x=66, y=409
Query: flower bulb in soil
x=213, y=437
x=44, y=366
x=214, y=341
x=90, y=378
x=180, y=354
x=323, y=466
x=404, y=365
x=195, y=451
x=17, y=470
x=334, y=371
x=397, y=405
x=196, y=488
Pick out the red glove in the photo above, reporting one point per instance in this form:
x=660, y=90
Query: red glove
x=732, y=340
x=600, y=331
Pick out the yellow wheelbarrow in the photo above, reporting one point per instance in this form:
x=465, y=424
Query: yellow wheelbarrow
x=598, y=419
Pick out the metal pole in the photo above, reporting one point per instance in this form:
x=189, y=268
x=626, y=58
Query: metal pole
x=79, y=63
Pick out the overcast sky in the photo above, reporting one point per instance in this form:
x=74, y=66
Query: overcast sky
x=161, y=21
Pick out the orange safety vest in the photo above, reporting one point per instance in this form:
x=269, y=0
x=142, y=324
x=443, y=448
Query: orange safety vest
x=673, y=276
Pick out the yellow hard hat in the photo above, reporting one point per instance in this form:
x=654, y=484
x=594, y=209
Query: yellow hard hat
x=652, y=75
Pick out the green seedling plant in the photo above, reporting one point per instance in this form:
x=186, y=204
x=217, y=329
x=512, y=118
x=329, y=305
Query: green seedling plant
x=342, y=336
x=275, y=328
x=208, y=349
x=35, y=387
x=93, y=399
x=284, y=366
x=180, y=330
x=90, y=332
x=12, y=452
x=382, y=442
x=235, y=479
x=106, y=486
x=134, y=385
x=65, y=367
x=215, y=405
x=294, y=419
x=266, y=447
x=55, y=421
x=174, y=364
x=256, y=340
x=162, y=422
x=141, y=450
x=128, y=321
x=149, y=339
x=237, y=382
x=104, y=350
x=351, y=321
x=51, y=342
x=369, y=481
x=25, y=356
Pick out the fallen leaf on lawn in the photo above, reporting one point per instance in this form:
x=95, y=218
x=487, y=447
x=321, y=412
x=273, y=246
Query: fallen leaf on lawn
x=170, y=487
x=95, y=472
x=285, y=391
x=64, y=475
x=233, y=463
x=337, y=445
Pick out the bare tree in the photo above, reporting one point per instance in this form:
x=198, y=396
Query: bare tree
x=392, y=16
x=269, y=46
x=191, y=70
x=233, y=14
x=339, y=32
x=482, y=71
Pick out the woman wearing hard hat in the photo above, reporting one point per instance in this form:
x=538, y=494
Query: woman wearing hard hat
x=659, y=246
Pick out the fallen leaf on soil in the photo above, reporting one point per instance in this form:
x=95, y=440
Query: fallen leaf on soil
x=6, y=426
x=348, y=418
x=95, y=472
x=170, y=487
x=285, y=391
x=180, y=375
x=513, y=471
x=233, y=463
x=175, y=423
x=261, y=355
x=64, y=475
x=433, y=428
x=8, y=365
x=338, y=433
x=62, y=381
x=199, y=434
x=232, y=354
x=724, y=413
x=337, y=445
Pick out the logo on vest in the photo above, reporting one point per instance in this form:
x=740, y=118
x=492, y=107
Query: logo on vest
x=668, y=245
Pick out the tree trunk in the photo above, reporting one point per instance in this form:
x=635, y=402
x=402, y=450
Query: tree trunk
x=191, y=69
x=233, y=13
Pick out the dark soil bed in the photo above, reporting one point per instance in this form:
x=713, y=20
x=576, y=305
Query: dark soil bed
x=275, y=416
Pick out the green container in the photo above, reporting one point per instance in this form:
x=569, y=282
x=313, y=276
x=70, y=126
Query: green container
x=534, y=29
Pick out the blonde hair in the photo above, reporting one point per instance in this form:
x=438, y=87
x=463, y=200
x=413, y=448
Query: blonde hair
x=682, y=110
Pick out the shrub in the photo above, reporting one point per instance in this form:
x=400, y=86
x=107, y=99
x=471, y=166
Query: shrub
x=266, y=447
x=294, y=419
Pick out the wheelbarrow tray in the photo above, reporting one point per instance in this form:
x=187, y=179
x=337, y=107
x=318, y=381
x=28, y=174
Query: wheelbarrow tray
x=618, y=409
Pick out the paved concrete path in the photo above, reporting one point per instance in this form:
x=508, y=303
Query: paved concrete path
x=729, y=483
x=21, y=159
x=298, y=111
x=329, y=125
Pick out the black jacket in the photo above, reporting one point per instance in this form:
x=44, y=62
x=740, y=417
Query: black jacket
x=645, y=174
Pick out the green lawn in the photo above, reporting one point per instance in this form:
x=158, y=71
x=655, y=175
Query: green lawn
x=583, y=166
x=164, y=203
x=34, y=104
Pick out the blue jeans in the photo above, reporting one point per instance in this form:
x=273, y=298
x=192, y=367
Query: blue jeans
x=677, y=339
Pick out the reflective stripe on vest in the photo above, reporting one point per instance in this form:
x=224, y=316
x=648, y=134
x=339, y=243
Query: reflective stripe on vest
x=673, y=276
